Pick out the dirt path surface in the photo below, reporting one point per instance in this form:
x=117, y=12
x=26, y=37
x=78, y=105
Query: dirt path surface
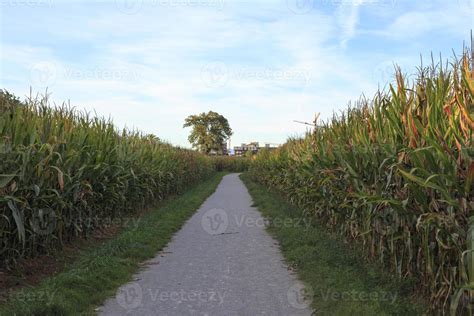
x=222, y=262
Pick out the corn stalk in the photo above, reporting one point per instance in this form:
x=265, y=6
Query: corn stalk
x=394, y=174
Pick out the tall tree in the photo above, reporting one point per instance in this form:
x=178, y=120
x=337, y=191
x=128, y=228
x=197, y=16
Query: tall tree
x=209, y=131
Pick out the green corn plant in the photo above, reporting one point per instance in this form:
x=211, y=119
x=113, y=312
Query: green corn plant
x=231, y=164
x=394, y=174
x=64, y=172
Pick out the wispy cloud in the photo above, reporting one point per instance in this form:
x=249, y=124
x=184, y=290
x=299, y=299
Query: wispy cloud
x=348, y=15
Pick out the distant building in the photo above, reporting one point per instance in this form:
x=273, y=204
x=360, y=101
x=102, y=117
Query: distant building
x=253, y=147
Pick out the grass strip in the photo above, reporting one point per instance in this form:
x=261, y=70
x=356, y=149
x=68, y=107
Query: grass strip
x=99, y=271
x=338, y=279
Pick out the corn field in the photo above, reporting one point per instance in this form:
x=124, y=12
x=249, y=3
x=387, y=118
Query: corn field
x=63, y=171
x=233, y=164
x=395, y=174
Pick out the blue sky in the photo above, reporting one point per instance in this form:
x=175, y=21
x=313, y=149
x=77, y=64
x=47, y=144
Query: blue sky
x=262, y=64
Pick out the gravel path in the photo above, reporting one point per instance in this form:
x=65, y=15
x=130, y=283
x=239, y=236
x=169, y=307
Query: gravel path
x=222, y=262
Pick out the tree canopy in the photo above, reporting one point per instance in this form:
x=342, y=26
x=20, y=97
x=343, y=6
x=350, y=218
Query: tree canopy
x=209, y=131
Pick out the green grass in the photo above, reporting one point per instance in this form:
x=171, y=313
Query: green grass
x=341, y=280
x=99, y=271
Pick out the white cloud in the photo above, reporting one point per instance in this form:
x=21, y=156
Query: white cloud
x=438, y=17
